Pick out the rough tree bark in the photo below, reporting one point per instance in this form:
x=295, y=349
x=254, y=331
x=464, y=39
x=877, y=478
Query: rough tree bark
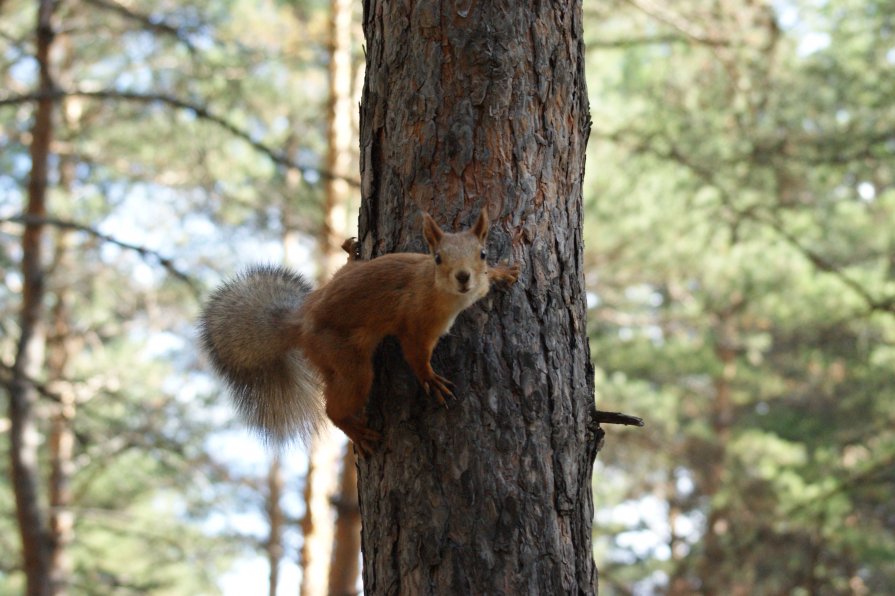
x=37, y=546
x=471, y=104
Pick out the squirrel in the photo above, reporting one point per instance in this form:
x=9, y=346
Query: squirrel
x=274, y=340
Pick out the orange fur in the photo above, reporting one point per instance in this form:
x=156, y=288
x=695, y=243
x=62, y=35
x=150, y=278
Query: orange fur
x=414, y=297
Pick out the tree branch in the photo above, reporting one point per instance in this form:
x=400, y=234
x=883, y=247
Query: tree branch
x=628, y=42
x=7, y=373
x=618, y=418
x=148, y=22
x=708, y=176
x=200, y=111
x=144, y=252
x=647, y=40
x=827, y=266
x=676, y=22
x=838, y=149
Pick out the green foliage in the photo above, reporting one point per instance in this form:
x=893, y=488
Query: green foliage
x=180, y=118
x=740, y=197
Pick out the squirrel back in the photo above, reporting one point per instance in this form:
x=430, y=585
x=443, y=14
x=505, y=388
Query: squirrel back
x=249, y=336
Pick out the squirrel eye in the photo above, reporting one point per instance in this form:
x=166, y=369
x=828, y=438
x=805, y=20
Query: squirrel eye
x=438, y=258
x=483, y=254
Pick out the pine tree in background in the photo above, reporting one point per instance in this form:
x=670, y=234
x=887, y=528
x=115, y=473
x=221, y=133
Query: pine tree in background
x=38, y=544
x=742, y=293
x=144, y=160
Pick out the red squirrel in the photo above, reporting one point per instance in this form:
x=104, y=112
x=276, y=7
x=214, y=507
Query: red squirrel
x=273, y=340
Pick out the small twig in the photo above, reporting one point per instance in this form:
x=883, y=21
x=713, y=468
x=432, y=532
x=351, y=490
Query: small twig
x=618, y=418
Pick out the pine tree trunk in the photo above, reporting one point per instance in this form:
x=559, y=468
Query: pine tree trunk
x=714, y=579
x=344, y=568
x=468, y=105
x=318, y=523
x=62, y=344
x=37, y=547
x=61, y=438
x=346, y=547
x=328, y=447
x=275, y=518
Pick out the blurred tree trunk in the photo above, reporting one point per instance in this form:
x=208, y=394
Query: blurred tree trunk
x=275, y=520
x=346, y=549
x=469, y=105
x=319, y=520
x=339, y=136
x=37, y=546
x=61, y=344
x=61, y=432
x=341, y=160
x=319, y=525
x=714, y=578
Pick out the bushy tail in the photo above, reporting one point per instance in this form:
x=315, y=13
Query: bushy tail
x=248, y=330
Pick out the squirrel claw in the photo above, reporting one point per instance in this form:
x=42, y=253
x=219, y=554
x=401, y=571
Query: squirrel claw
x=503, y=273
x=439, y=388
x=363, y=437
x=365, y=440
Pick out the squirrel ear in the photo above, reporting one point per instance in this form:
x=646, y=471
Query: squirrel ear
x=480, y=227
x=431, y=231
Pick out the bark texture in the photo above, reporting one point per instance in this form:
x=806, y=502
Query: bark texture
x=470, y=104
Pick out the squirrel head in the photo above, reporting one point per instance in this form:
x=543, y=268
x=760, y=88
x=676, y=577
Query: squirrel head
x=460, y=265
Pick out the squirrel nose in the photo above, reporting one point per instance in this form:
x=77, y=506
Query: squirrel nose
x=462, y=276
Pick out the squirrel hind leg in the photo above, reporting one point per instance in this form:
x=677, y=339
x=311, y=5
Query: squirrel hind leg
x=346, y=395
x=364, y=438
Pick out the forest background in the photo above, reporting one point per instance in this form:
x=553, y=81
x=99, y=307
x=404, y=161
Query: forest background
x=740, y=245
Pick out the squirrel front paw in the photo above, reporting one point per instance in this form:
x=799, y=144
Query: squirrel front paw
x=503, y=273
